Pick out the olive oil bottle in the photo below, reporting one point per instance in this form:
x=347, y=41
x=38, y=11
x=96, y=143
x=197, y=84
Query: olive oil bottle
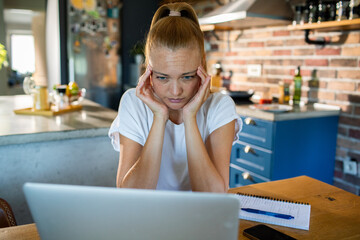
x=297, y=87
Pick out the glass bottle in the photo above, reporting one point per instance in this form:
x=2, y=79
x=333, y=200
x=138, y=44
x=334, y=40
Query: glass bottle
x=297, y=87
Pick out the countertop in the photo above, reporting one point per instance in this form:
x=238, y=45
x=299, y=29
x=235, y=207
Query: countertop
x=297, y=112
x=92, y=121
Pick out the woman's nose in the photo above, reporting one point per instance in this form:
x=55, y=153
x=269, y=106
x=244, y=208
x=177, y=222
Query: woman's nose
x=176, y=88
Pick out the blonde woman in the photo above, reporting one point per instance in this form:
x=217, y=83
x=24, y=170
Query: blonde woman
x=171, y=132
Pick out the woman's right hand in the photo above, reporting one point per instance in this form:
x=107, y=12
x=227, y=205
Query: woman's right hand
x=145, y=92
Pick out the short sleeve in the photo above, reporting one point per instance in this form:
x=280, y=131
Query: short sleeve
x=131, y=121
x=222, y=110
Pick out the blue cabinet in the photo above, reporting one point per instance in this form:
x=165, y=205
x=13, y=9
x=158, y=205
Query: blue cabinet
x=273, y=150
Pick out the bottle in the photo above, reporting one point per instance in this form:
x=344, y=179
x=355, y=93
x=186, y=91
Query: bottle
x=297, y=87
x=286, y=93
x=281, y=92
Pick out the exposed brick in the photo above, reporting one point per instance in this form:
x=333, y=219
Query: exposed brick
x=240, y=62
x=263, y=52
x=343, y=62
x=354, y=74
x=352, y=121
x=303, y=52
x=254, y=61
x=354, y=98
x=316, y=62
x=357, y=110
x=277, y=71
x=338, y=174
x=342, y=97
x=276, y=62
x=346, y=86
x=261, y=34
x=339, y=164
x=328, y=51
x=292, y=62
x=352, y=179
x=350, y=51
x=231, y=54
x=281, y=33
x=295, y=42
x=347, y=187
x=342, y=131
x=272, y=43
x=297, y=33
x=326, y=73
x=281, y=52
x=326, y=95
x=239, y=44
x=354, y=133
x=256, y=44
x=353, y=37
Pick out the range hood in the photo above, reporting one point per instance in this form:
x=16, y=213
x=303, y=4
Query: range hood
x=240, y=14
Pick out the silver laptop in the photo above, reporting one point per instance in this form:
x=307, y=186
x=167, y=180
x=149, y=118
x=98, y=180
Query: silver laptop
x=84, y=212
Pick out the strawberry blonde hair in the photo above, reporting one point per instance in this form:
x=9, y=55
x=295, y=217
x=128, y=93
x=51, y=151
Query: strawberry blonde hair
x=175, y=32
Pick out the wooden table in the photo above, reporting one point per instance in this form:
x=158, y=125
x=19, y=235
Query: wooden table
x=335, y=213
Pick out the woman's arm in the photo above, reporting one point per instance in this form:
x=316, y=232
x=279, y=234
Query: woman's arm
x=209, y=163
x=139, y=166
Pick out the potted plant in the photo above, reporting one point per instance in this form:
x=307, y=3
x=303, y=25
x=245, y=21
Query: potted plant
x=3, y=58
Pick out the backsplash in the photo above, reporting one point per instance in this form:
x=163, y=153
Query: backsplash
x=279, y=51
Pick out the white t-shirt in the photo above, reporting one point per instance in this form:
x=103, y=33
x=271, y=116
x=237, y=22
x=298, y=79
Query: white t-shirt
x=134, y=121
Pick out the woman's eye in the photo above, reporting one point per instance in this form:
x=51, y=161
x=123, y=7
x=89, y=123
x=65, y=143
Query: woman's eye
x=161, y=78
x=189, y=77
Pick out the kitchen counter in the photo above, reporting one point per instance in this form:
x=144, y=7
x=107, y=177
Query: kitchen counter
x=92, y=121
x=299, y=112
x=71, y=148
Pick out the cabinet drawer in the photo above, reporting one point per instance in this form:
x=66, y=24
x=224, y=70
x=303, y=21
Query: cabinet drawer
x=256, y=131
x=241, y=177
x=253, y=158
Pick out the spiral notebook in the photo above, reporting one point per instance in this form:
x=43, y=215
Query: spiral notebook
x=299, y=211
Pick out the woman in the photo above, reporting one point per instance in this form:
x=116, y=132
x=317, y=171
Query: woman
x=172, y=133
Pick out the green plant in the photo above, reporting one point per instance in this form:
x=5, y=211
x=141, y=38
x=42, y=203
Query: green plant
x=138, y=48
x=3, y=58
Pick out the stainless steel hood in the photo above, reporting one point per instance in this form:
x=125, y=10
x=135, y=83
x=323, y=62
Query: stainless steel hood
x=241, y=14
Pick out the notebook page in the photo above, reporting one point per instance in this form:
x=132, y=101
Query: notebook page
x=300, y=212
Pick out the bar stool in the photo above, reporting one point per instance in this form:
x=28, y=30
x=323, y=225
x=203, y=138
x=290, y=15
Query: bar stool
x=7, y=218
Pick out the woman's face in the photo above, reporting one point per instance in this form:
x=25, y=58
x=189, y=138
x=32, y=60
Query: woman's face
x=174, y=78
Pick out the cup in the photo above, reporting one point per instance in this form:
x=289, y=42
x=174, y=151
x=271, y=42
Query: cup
x=40, y=97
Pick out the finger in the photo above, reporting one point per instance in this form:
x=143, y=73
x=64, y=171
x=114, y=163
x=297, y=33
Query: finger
x=201, y=74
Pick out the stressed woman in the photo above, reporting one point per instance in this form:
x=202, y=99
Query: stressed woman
x=171, y=132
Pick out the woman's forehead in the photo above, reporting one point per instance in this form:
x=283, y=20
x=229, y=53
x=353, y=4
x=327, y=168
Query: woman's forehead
x=181, y=60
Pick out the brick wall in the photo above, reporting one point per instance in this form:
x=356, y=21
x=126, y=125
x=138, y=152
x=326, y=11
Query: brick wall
x=280, y=51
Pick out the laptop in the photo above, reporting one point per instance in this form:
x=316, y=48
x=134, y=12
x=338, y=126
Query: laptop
x=88, y=212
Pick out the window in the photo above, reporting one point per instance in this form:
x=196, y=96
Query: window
x=22, y=53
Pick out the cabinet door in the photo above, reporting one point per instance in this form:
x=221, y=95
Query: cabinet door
x=256, y=131
x=252, y=158
x=241, y=177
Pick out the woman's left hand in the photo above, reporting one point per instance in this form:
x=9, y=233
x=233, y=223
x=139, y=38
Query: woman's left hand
x=193, y=106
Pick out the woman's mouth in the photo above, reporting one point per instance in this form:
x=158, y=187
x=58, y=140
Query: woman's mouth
x=175, y=100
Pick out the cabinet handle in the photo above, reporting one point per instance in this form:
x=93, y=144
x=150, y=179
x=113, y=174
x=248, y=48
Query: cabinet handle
x=247, y=176
x=248, y=149
x=249, y=121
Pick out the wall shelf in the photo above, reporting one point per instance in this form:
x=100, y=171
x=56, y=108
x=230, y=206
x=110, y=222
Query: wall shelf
x=353, y=24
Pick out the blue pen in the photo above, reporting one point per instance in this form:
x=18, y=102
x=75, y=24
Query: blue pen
x=257, y=211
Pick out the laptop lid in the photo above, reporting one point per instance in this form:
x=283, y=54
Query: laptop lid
x=86, y=212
